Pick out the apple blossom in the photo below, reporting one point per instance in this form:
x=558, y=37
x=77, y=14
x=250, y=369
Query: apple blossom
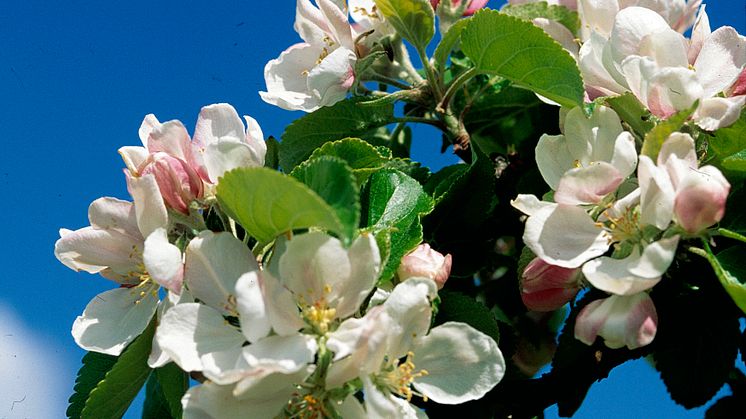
x=320, y=71
x=545, y=287
x=426, y=263
x=471, y=8
x=630, y=321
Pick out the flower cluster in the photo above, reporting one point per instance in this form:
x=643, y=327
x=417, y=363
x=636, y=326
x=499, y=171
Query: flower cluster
x=296, y=333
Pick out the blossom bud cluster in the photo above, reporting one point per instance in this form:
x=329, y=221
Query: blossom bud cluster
x=606, y=197
x=299, y=335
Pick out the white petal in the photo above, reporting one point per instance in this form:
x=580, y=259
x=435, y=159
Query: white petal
x=668, y=48
x=700, y=32
x=381, y=405
x=283, y=311
x=530, y=204
x=133, y=157
x=595, y=74
x=410, y=305
x=459, y=347
x=553, y=158
x=339, y=26
x=213, y=401
x=251, y=308
x=351, y=408
x=564, y=236
x=621, y=320
x=656, y=258
x=310, y=23
x=721, y=60
x=171, y=138
x=613, y=276
x=157, y=357
x=163, y=261
x=656, y=194
x=560, y=34
x=255, y=138
x=631, y=25
x=114, y=214
x=149, y=207
x=625, y=154
x=717, y=112
x=189, y=331
x=331, y=79
x=287, y=78
x=149, y=123
x=227, y=154
x=214, y=262
x=365, y=264
x=598, y=15
x=115, y=318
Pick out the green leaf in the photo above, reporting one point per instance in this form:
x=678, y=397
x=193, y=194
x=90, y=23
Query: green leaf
x=414, y=20
x=94, y=369
x=458, y=307
x=332, y=179
x=524, y=54
x=530, y=11
x=655, y=138
x=174, y=383
x=730, y=140
x=395, y=202
x=631, y=111
x=268, y=203
x=362, y=157
x=272, y=158
x=155, y=405
x=728, y=266
x=113, y=395
x=735, y=162
x=345, y=119
x=441, y=182
x=448, y=43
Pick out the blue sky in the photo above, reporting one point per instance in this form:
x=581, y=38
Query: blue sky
x=76, y=79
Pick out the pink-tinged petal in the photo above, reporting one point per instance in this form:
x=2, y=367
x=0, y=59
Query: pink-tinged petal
x=425, y=262
x=255, y=322
x=673, y=89
x=739, y=87
x=150, y=209
x=338, y=22
x=565, y=236
x=112, y=254
x=587, y=185
x=630, y=321
x=595, y=74
x=171, y=138
x=656, y=194
x=189, y=331
x=717, y=112
x=530, y=204
x=700, y=199
x=455, y=346
x=553, y=158
x=700, y=32
x=163, y=261
x=721, y=60
x=546, y=287
x=149, y=123
x=133, y=157
x=330, y=80
x=475, y=5
x=286, y=78
x=114, y=214
x=214, y=262
x=115, y=318
x=178, y=183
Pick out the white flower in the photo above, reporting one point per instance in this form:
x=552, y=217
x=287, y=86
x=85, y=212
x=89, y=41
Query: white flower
x=395, y=357
x=319, y=71
x=629, y=321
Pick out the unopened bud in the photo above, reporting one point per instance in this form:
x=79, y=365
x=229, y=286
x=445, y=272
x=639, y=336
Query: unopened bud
x=178, y=182
x=424, y=262
x=546, y=287
x=700, y=198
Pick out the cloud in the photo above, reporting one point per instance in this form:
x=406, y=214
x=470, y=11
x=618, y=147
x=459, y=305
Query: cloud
x=32, y=374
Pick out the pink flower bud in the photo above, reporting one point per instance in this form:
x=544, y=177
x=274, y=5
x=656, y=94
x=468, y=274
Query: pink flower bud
x=473, y=6
x=700, y=198
x=629, y=321
x=178, y=182
x=424, y=262
x=546, y=287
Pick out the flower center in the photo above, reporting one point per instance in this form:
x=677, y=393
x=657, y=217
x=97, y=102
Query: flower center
x=398, y=378
x=319, y=315
x=622, y=228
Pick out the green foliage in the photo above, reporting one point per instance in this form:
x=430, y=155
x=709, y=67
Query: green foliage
x=457, y=307
x=163, y=392
x=94, y=369
x=345, y=119
x=394, y=202
x=632, y=112
x=414, y=20
x=730, y=140
x=654, y=138
x=448, y=43
x=333, y=181
x=272, y=158
x=113, y=395
x=524, y=54
x=267, y=203
x=561, y=14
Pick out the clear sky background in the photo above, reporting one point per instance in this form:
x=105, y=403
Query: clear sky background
x=76, y=79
